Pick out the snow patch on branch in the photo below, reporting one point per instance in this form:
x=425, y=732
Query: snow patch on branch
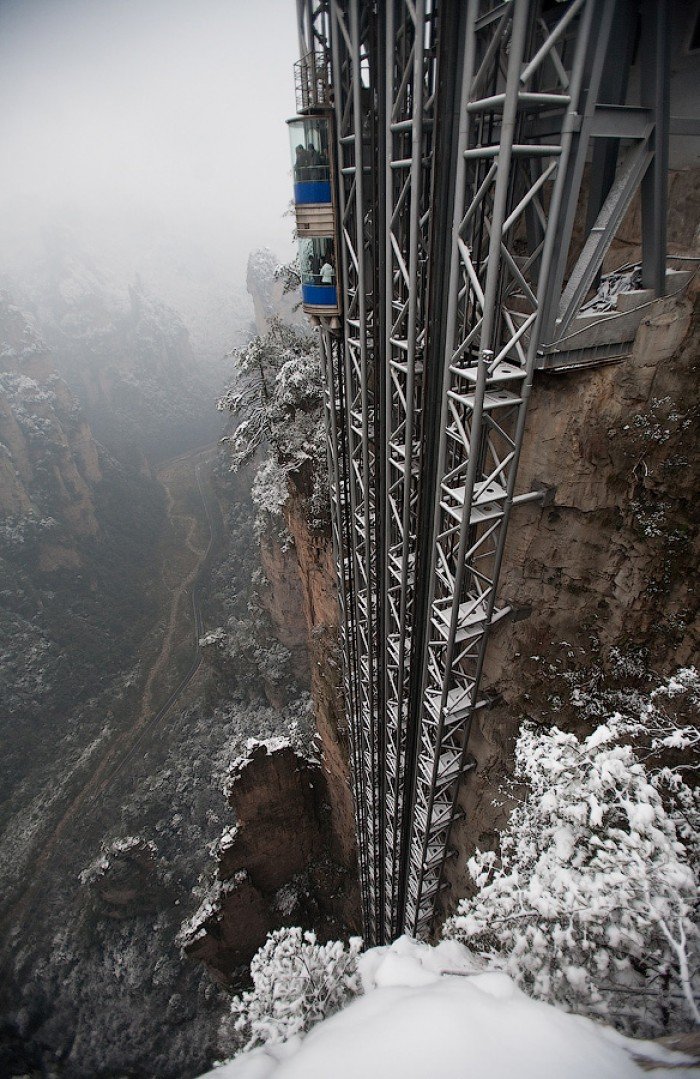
x=591, y=900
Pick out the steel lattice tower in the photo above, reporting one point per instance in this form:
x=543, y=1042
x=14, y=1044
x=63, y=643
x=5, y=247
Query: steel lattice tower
x=460, y=134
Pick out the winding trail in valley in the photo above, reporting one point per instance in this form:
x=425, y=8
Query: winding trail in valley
x=126, y=744
x=178, y=595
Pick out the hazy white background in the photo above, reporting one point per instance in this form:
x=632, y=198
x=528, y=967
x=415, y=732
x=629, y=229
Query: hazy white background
x=150, y=124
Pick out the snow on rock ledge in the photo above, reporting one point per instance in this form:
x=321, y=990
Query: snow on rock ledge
x=273, y=865
x=435, y=1011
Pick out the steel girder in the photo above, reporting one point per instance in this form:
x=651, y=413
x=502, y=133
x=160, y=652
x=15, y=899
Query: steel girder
x=324, y=33
x=353, y=68
x=338, y=473
x=409, y=102
x=502, y=173
x=454, y=271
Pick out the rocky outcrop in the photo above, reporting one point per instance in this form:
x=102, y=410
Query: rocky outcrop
x=273, y=865
x=272, y=792
x=125, y=881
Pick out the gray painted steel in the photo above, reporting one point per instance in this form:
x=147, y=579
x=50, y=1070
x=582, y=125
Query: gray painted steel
x=462, y=133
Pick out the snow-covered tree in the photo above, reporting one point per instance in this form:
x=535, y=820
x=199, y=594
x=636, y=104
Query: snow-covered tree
x=296, y=983
x=664, y=733
x=290, y=274
x=275, y=376
x=277, y=398
x=590, y=901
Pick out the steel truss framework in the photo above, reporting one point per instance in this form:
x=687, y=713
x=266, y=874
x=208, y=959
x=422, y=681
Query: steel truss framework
x=462, y=132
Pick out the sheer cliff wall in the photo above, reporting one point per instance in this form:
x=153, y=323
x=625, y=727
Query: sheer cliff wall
x=314, y=563
x=301, y=597
x=604, y=578
x=290, y=859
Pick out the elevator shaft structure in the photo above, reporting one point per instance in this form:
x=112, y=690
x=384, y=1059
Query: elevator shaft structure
x=461, y=133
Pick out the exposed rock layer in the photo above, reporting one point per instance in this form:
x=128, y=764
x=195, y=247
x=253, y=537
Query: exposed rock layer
x=303, y=601
x=273, y=866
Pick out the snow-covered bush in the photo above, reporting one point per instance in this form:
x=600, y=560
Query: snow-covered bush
x=664, y=733
x=269, y=491
x=277, y=398
x=296, y=983
x=277, y=382
x=436, y=1011
x=589, y=903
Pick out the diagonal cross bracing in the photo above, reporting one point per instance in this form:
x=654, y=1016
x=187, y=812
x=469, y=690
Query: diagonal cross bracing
x=461, y=130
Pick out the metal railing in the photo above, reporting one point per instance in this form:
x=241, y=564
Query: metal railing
x=312, y=81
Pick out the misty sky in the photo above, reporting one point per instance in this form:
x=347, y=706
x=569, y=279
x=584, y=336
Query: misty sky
x=138, y=111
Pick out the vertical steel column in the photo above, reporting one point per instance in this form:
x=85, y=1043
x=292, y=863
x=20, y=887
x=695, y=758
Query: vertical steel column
x=655, y=45
x=346, y=195
x=337, y=456
x=424, y=880
x=408, y=121
x=365, y=524
x=357, y=220
x=488, y=376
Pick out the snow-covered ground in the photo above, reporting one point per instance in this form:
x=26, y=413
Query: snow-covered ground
x=429, y=1012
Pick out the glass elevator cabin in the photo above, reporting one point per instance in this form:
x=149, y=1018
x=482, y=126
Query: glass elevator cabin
x=311, y=148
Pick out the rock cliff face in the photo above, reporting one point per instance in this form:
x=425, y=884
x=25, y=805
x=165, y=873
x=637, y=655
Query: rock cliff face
x=49, y=462
x=606, y=574
x=313, y=562
x=283, y=598
x=273, y=866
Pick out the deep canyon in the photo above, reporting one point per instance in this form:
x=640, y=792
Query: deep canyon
x=126, y=541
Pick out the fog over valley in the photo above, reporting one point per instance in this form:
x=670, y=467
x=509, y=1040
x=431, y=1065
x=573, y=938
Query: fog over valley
x=149, y=139
x=143, y=211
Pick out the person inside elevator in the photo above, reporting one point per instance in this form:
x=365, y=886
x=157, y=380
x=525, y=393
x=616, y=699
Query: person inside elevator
x=313, y=158
x=300, y=162
x=327, y=272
